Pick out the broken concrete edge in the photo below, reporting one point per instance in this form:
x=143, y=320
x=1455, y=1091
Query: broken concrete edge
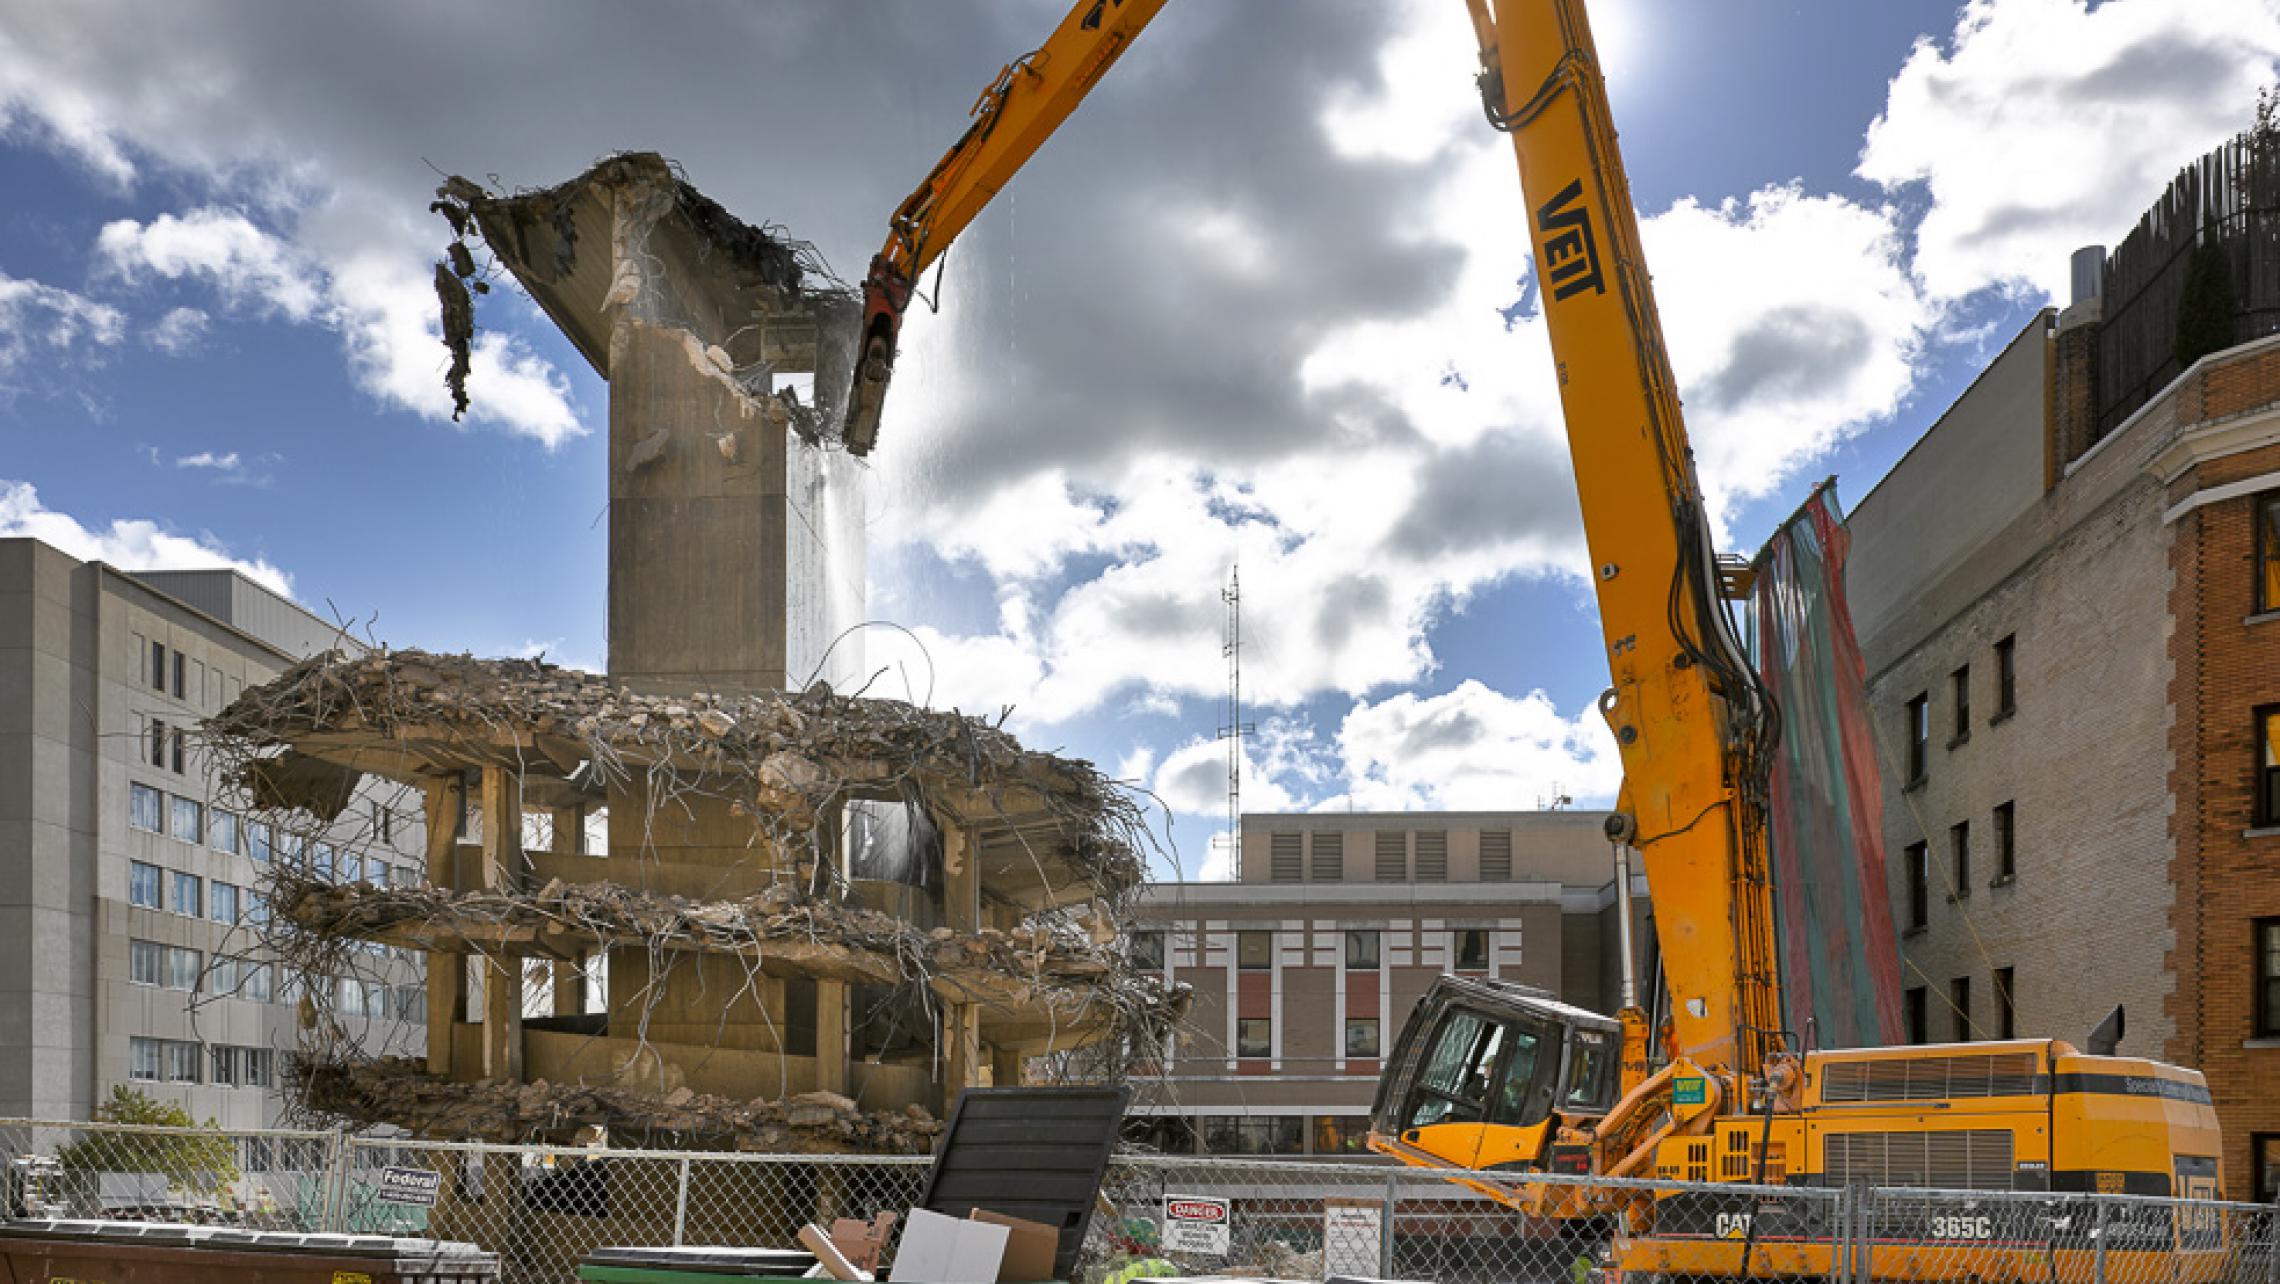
x=777, y=279
x=1056, y=963
x=416, y=716
x=398, y=1092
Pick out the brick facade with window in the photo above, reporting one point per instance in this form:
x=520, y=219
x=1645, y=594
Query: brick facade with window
x=2225, y=686
x=2093, y=621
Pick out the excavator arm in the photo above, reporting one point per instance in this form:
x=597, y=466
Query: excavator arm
x=1691, y=721
x=1014, y=116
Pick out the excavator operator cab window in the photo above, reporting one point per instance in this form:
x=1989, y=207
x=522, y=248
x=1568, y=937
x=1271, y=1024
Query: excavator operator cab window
x=1478, y=1068
x=1591, y=1073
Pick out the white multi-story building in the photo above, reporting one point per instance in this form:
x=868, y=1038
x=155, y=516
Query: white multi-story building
x=130, y=894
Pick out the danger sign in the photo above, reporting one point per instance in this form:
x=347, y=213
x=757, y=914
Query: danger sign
x=1195, y=1224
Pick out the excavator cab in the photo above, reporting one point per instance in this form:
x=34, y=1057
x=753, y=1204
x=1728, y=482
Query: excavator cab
x=1486, y=1071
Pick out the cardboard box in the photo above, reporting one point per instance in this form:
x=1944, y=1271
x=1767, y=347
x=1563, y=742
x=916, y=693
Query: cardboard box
x=1030, y=1247
x=943, y=1250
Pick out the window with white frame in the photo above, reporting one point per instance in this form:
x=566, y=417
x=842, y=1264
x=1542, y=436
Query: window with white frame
x=187, y=820
x=146, y=962
x=145, y=885
x=143, y=1060
x=225, y=1060
x=223, y=830
x=181, y=1062
x=146, y=809
x=260, y=1066
x=254, y=982
x=186, y=895
x=182, y=968
x=222, y=905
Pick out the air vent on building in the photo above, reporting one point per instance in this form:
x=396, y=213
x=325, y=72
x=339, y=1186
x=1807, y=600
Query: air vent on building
x=1285, y=864
x=1496, y=856
x=2002, y=1074
x=1433, y=856
x=1328, y=852
x=1393, y=856
x=1977, y=1160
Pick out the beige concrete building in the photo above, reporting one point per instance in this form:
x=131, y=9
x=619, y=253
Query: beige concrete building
x=1304, y=971
x=128, y=887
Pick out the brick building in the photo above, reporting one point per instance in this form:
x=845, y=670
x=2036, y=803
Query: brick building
x=2071, y=618
x=1304, y=971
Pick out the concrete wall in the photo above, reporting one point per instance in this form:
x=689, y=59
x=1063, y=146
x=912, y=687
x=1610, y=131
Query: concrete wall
x=1956, y=549
x=1927, y=532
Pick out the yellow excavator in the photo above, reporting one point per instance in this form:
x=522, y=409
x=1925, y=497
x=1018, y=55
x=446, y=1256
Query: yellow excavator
x=1491, y=1077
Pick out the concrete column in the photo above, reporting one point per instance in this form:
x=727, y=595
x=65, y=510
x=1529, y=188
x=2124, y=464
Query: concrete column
x=831, y=1036
x=569, y=981
x=1005, y=1067
x=961, y=1051
x=502, y=977
x=446, y=971
x=961, y=878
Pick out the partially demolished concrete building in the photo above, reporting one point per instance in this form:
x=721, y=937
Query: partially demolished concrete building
x=818, y=916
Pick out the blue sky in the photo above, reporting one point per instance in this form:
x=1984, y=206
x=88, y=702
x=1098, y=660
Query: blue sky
x=1248, y=304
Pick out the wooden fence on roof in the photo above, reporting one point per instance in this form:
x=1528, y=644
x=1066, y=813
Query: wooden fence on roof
x=2232, y=193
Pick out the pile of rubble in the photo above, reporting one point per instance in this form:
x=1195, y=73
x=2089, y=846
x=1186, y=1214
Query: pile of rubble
x=785, y=759
x=398, y=1091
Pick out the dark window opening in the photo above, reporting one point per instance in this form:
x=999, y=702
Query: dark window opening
x=1919, y=737
x=181, y=671
x=158, y=666
x=2006, y=844
x=1254, y=1037
x=2264, y=1156
x=1472, y=950
x=1362, y=1037
x=2268, y=978
x=1960, y=682
x=1959, y=998
x=1916, y=858
x=2006, y=677
x=1918, y=1010
x=1959, y=848
x=1148, y=951
x=1362, y=951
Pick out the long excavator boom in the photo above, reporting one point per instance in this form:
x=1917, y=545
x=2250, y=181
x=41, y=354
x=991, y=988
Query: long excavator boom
x=1014, y=116
x=1690, y=719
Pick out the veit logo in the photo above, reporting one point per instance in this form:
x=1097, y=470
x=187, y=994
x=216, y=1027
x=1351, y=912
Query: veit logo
x=1570, y=258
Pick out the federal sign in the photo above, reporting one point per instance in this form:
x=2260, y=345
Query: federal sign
x=1196, y=1224
x=415, y=1186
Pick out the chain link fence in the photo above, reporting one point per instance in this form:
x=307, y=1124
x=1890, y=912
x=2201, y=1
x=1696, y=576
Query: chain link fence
x=544, y=1208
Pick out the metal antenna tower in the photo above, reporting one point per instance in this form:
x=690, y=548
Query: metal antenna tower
x=1234, y=729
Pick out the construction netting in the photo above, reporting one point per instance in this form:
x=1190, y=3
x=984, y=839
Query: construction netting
x=1840, y=961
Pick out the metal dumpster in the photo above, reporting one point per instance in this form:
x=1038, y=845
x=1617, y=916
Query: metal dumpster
x=107, y=1252
x=692, y=1265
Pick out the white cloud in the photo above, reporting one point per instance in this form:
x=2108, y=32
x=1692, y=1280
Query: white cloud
x=382, y=306
x=228, y=463
x=1473, y=749
x=2040, y=126
x=179, y=331
x=221, y=247
x=37, y=316
x=128, y=543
